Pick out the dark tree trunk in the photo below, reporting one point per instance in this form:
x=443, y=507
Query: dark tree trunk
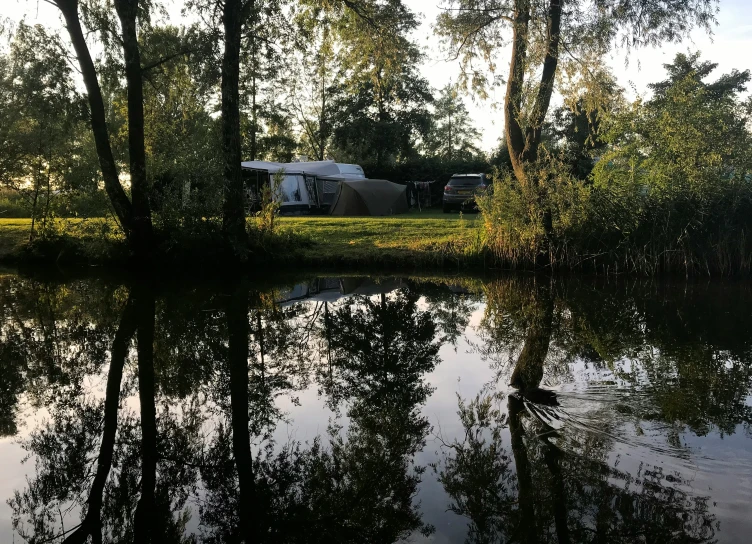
x=528, y=372
x=545, y=90
x=322, y=119
x=144, y=517
x=527, y=375
x=527, y=525
x=119, y=200
x=513, y=99
x=233, y=219
x=46, y=215
x=552, y=457
x=142, y=235
x=523, y=146
x=92, y=524
x=238, y=330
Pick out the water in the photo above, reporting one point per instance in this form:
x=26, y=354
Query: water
x=378, y=410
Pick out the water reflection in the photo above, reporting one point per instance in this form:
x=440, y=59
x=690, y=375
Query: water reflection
x=154, y=414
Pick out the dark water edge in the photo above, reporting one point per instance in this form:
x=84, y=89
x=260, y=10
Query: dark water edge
x=381, y=409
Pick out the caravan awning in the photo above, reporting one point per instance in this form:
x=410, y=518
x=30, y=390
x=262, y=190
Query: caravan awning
x=320, y=168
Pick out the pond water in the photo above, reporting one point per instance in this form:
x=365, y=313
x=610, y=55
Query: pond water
x=438, y=410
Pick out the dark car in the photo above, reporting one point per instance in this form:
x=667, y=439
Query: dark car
x=460, y=192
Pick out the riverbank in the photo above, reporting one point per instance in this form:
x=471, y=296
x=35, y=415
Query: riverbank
x=417, y=240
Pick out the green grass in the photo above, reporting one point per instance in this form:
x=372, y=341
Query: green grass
x=418, y=238
x=415, y=240
x=14, y=233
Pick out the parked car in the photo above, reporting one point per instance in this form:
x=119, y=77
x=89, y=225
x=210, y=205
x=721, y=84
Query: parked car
x=460, y=191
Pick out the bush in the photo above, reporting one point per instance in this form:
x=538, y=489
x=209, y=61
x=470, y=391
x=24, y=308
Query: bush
x=672, y=191
x=12, y=205
x=516, y=215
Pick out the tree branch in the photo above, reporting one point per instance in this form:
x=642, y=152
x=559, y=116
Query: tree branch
x=168, y=58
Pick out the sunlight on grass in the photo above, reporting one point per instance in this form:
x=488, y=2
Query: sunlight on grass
x=418, y=237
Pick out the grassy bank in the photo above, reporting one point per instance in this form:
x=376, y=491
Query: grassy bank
x=14, y=233
x=427, y=239
x=419, y=239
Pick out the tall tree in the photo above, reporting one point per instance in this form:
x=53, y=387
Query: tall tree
x=263, y=55
x=381, y=105
x=234, y=16
x=452, y=135
x=544, y=32
x=135, y=216
x=182, y=140
x=40, y=122
x=129, y=11
x=313, y=92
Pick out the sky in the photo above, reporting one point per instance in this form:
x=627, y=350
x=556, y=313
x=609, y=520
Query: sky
x=730, y=46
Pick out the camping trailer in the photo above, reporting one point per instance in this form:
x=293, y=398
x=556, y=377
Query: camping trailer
x=292, y=185
x=321, y=187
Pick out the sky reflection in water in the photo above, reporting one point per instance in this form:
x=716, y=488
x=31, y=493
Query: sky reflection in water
x=377, y=410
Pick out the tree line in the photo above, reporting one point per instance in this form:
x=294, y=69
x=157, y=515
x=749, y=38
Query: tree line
x=660, y=183
x=166, y=113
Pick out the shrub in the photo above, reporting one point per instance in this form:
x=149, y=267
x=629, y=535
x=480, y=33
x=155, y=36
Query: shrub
x=515, y=215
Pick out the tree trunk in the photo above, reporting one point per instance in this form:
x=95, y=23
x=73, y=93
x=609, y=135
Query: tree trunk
x=322, y=119
x=144, y=518
x=523, y=146
x=527, y=524
x=46, y=215
x=120, y=203
x=37, y=184
x=142, y=235
x=382, y=118
x=528, y=372
x=92, y=524
x=34, y=204
x=546, y=88
x=237, y=327
x=233, y=217
x=513, y=99
x=451, y=143
x=254, y=119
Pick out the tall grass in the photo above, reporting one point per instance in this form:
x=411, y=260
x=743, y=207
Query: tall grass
x=616, y=223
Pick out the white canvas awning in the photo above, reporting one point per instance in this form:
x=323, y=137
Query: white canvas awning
x=322, y=169
x=273, y=167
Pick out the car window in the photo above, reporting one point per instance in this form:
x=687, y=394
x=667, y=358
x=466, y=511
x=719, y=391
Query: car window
x=470, y=180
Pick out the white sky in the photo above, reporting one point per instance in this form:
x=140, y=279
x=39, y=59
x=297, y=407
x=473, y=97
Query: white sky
x=730, y=47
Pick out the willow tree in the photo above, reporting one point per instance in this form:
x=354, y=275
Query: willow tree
x=544, y=35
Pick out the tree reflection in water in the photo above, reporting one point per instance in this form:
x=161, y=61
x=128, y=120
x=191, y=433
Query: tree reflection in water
x=180, y=445
x=551, y=494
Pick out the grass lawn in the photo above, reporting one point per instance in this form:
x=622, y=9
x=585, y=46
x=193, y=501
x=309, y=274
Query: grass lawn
x=419, y=238
x=426, y=238
x=13, y=234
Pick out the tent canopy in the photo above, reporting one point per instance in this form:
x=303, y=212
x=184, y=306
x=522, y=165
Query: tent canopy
x=369, y=197
x=317, y=168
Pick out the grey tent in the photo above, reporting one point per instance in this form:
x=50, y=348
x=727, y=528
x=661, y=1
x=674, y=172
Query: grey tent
x=369, y=197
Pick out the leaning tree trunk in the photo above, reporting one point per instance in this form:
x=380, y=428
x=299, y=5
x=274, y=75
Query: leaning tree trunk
x=513, y=99
x=524, y=144
x=233, y=217
x=119, y=200
x=528, y=371
x=92, y=523
x=142, y=227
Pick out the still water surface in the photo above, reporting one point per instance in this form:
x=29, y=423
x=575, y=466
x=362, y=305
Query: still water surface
x=377, y=410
